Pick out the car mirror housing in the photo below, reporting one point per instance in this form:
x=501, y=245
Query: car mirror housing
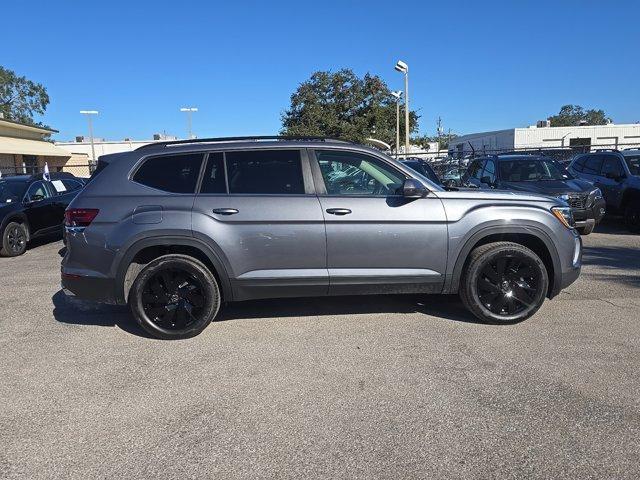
x=412, y=188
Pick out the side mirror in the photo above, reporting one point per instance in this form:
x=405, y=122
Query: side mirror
x=614, y=176
x=412, y=188
x=486, y=180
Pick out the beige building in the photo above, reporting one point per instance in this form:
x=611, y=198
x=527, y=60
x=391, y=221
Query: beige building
x=23, y=150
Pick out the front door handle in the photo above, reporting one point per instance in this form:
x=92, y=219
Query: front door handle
x=338, y=211
x=225, y=211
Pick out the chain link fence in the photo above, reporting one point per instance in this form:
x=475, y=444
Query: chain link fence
x=80, y=170
x=450, y=163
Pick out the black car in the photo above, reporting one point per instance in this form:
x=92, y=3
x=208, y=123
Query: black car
x=542, y=175
x=31, y=207
x=423, y=168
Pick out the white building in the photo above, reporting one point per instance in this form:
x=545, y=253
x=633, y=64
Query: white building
x=82, y=145
x=543, y=137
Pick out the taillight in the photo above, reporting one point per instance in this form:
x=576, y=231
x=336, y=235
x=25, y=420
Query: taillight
x=79, y=217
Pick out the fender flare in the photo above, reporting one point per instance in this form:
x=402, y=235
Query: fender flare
x=454, y=282
x=170, y=240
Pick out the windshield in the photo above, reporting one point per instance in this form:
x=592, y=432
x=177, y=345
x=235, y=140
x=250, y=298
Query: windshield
x=11, y=191
x=633, y=162
x=532, y=170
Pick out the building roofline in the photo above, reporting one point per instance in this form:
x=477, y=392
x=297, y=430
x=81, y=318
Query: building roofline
x=24, y=126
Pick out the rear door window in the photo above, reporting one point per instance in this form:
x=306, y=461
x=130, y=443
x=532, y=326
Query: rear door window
x=612, y=165
x=271, y=172
x=170, y=173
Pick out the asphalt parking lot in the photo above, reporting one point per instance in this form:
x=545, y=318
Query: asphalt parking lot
x=382, y=386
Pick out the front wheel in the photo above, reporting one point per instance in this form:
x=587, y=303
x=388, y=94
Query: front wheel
x=632, y=218
x=504, y=282
x=174, y=297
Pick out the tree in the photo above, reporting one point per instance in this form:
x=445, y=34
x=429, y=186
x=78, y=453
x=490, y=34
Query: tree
x=571, y=115
x=342, y=105
x=21, y=98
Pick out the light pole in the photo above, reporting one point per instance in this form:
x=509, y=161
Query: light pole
x=88, y=113
x=404, y=68
x=397, y=96
x=189, y=111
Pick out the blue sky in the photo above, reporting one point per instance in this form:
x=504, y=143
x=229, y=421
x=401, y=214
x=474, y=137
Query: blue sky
x=479, y=65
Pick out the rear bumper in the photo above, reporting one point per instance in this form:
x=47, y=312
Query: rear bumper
x=89, y=288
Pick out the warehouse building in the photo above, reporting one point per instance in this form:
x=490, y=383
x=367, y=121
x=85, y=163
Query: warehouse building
x=542, y=136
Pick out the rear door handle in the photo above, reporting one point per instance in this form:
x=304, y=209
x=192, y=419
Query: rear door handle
x=338, y=211
x=225, y=211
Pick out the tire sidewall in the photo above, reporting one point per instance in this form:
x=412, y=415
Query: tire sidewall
x=6, y=250
x=210, y=292
x=472, y=289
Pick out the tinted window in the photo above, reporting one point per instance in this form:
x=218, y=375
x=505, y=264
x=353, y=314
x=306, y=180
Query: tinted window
x=633, y=162
x=273, y=172
x=490, y=170
x=171, y=173
x=347, y=173
x=214, y=178
x=37, y=191
x=611, y=165
x=531, y=170
x=475, y=170
x=579, y=164
x=72, y=185
x=592, y=165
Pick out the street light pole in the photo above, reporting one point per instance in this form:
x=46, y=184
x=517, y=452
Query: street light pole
x=404, y=68
x=397, y=96
x=88, y=113
x=189, y=111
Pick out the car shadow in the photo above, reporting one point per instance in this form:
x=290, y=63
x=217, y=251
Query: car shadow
x=72, y=311
x=612, y=226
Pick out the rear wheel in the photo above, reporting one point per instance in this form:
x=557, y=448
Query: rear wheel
x=504, y=282
x=632, y=217
x=174, y=297
x=14, y=240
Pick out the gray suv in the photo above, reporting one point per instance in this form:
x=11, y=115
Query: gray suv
x=617, y=175
x=176, y=229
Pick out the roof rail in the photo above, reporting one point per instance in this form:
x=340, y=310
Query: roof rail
x=606, y=150
x=171, y=143
x=632, y=148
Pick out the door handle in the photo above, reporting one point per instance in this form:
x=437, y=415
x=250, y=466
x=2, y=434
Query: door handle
x=338, y=211
x=225, y=211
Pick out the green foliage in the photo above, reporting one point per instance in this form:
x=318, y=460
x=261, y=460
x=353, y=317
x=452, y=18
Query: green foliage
x=425, y=139
x=21, y=98
x=572, y=115
x=342, y=105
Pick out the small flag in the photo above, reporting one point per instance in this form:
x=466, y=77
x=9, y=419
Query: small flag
x=45, y=174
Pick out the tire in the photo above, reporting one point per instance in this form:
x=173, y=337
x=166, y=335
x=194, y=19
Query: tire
x=14, y=240
x=174, y=297
x=508, y=297
x=632, y=217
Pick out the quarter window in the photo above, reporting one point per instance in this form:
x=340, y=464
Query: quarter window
x=171, y=173
x=347, y=173
x=275, y=172
x=214, y=177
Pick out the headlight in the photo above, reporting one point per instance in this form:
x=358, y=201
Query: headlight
x=564, y=215
x=564, y=197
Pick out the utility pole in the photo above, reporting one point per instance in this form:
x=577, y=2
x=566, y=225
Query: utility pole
x=439, y=131
x=88, y=113
x=189, y=111
x=404, y=68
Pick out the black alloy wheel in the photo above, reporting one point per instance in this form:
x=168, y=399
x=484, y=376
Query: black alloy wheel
x=507, y=285
x=173, y=299
x=14, y=240
x=174, y=296
x=503, y=282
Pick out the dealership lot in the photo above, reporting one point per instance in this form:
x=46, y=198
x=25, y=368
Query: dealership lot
x=384, y=386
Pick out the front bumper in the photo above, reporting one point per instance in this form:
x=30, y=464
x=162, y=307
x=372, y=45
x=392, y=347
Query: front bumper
x=570, y=274
x=591, y=215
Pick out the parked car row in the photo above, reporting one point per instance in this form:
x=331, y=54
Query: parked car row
x=591, y=183
x=32, y=207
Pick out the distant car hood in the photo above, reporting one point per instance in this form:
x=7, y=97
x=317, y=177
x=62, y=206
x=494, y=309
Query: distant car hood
x=550, y=187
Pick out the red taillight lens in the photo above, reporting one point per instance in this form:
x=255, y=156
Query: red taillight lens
x=79, y=217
